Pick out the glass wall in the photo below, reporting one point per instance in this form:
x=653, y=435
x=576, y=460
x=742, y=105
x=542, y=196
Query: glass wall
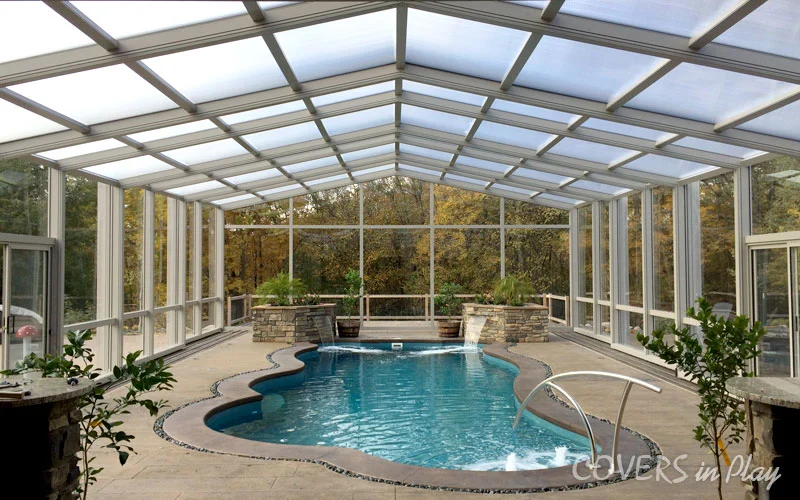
x=663, y=248
x=717, y=236
x=775, y=193
x=80, y=250
x=23, y=198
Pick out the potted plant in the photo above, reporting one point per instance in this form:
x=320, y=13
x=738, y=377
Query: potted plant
x=282, y=289
x=350, y=304
x=513, y=291
x=447, y=302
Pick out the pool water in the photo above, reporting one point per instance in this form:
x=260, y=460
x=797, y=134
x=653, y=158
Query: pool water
x=428, y=405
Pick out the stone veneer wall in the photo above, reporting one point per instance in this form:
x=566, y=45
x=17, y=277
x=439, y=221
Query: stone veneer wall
x=510, y=324
x=290, y=324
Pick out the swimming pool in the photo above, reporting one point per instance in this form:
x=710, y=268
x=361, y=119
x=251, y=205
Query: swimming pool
x=428, y=405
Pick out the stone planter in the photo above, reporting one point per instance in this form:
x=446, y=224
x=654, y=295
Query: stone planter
x=448, y=328
x=526, y=323
x=293, y=324
x=348, y=328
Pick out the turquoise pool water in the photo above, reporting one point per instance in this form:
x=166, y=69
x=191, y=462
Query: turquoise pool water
x=427, y=405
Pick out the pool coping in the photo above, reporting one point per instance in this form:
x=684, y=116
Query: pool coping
x=185, y=426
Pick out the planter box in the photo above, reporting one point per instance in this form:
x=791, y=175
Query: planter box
x=526, y=323
x=292, y=324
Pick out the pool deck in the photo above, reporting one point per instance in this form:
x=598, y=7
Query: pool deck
x=162, y=470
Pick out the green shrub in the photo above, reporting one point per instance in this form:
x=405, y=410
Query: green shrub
x=446, y=300
x=352, y=297
x=513, y=291
x=282, y=287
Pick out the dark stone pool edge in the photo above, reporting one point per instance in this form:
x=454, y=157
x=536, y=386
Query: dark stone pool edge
x=285, y=362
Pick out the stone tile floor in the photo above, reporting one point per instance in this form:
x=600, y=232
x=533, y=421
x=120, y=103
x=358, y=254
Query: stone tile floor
x=163, y=471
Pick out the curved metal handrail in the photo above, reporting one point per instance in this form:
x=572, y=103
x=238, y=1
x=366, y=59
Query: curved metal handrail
x=629, y=382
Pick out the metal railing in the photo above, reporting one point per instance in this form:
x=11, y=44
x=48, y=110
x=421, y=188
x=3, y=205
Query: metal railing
x=240, y=307
x=629, y=382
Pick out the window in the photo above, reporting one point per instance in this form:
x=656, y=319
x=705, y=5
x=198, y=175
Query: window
x=80, y=254
x=717, y=236
x=635, y=283
x=458, y=206
x=23, y=198
x=134, y=250
x=775, y=191
x=160, y=252
x=468, y=257
x=605, y=252
x=541, y=255
x=334, y=206
x=585, y=251
x=663, y=250
x=396, y=200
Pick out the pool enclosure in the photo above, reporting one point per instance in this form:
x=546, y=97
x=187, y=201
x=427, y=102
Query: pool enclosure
x=157, y=158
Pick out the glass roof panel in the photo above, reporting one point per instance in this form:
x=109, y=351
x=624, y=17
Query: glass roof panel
x=540, y=176
x=461, y=178
x=669, y=167
x=208, y=151
x=84, y=149
x=281, y=189
x=223, y=70
x=419, y=170
x=783, y=122
x=124, y=19
x=311, y=164
x=341, y=46
x=255, y=114
x=163, y=133
x=234, y=199
x=533, y=111
x=52, y=32
x=426, y=152
x=97, y=95
x=589, y=151
x=347, y=95
x=196, y=188
x=284, y=136
x=717, y=147
x=360, y=120
x=461, y=46
x=772, y=28
x=562, y=199
x=513, y=189
x=254, y=176
x=706, y=94
x=437, y=120
x=482, y=164
x=600, y=188
x=372, y=170
x=559, y=65
x=441, y=92
x=132, y=167
x=17, y=123
x=333, y=178
x=366, y=153
x=515, y=136
x=621, y=128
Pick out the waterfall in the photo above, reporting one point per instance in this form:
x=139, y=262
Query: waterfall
x=472, y=331
x=325, y=328
x=511, y=462
x=560, y=459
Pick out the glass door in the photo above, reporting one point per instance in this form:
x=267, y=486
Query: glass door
x=25, y=276
x=771, y=306
x=794, y=270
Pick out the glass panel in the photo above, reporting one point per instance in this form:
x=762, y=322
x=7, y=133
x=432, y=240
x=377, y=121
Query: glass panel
x=97, y=95
x=341, y=46
x=19, y=41
x=666, y=166
x=621, y=128
x=468, y=180
x=254, y=176
x=189, y=322
x=605, y=321
x=190, y=249
x=274, y=212
x=457, y=206
x=2, y=296
x=281, y=189
x=706, y=94
x=252, y=256
x=161, y=339
x=132, y=167
x=796, y=302
x=605, y=252
x=255, y=114
x=771, y=303
x=461, y=46
x=85, y=149
x=27, y=304
x=632, y=324
x=425, y=171
x=437, y=120
x=541, y=255
x=783, y=122
x=585, y=316
x=80, y=250
x=665, y=324
x=396, y=200
x=612, y=70
x=16, y=123
x=512, y=189
x=490, y=166
x=426, y=152
x=468, y=257
x=334, y=206
x=560, y=199
x=600, y=188
x=663, y=250
x=775, y=191
x=443, y=93
x=209, y=255
x=396, y=261
x=369, y=152
x=771, y=28
x=23, y=198
x=223, y=70
x=590, y=151
x=274, y=138
x=327, y=180
x=514, y=136
x=359, y=120
x=163, y=133
x=132, y=335
x=521, y=212
x=323, y=256
x=134, y=249
x=209, y=318
x=160, y=248
x=311, y=165
x=346, y=95
x=196, y=188
x=234, y=199
x=717, y=235
x=717, y=147
x=209, y=151
x=585, y=251
x=367, y=171
x=124, y=19
x=536, y=112
x=635, y=283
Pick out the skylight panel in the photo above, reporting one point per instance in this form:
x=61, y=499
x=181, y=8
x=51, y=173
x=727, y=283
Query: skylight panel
x=623, y=129
x=426, y=152
x=589, y=151
x=419, y=170
x=717, y=147
x=196, y=188
x=341, y=46
x=97, y=95
x=269, y=111
x=539, y=176
x=18, y=123
x=52, y=33
x=125, y=19
x=461, y=46
x=771, y=28
x=281, y=189
x=560, y=65
x=223, y=70
x=369, y=152
x=326, y=180
x=533, y=111
x=669, y=167
x=461, y=178
x=783, y=122
x=443, y=93
x=311, y=165
x=163, y=133
x=436, y=120
x=348, y=95
x=234, y=199
x=254, y=176
x=560, y=199
x=360, y=120
x=707, y=94
x=284, y=136
x=513, y=189
x=599, y=187
x=514, y=136
x=208, y=151
x=83, y=149
x=132, y=167
x=373, y=170
x=491, y=166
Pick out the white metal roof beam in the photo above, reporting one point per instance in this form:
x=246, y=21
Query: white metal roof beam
x=401, y=36
x=761, y=109
x=621, y=98
x=83, y=23
x=725, y=21
x=551, y=9
x=255, y=12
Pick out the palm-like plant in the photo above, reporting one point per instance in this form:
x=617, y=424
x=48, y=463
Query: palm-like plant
x=282, y=287
x=513, y=291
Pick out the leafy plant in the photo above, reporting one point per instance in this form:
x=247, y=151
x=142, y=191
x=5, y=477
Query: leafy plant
x=282, y=287
x=446, y=300
x=352, y=297
x=100, y=421
x=513, y=291
x=307, y=299
x=726, y=349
